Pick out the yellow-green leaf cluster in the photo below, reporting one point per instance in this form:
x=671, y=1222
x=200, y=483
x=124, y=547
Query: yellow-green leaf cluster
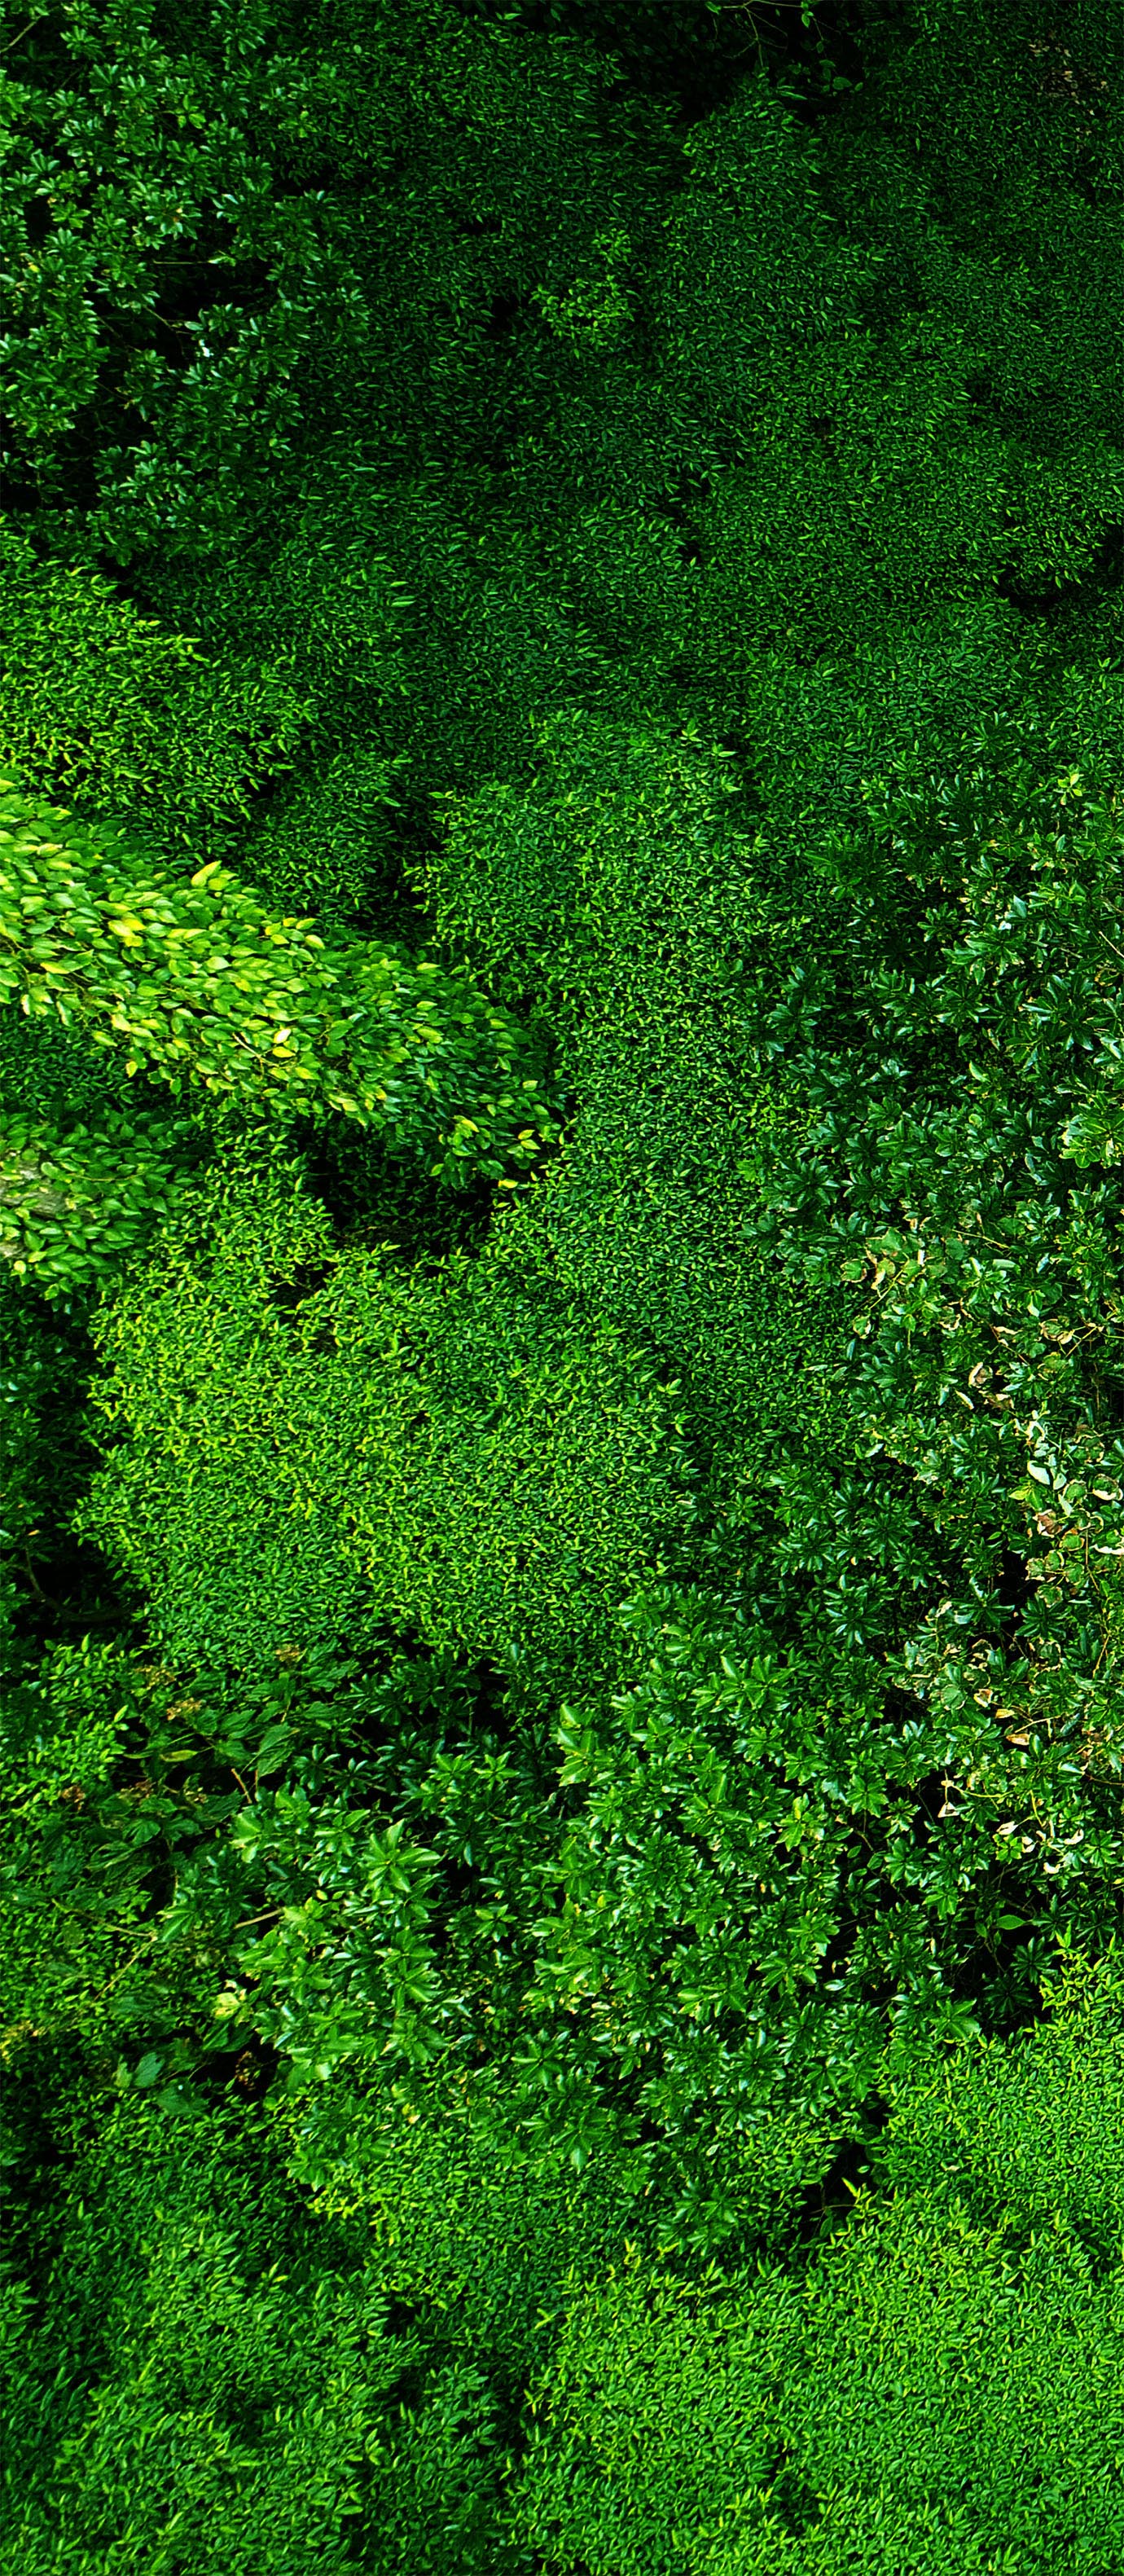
x=197, y=983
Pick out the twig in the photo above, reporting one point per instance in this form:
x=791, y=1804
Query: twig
x=21, y=32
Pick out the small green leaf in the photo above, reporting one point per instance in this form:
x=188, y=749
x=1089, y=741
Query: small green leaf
x=275, y=1750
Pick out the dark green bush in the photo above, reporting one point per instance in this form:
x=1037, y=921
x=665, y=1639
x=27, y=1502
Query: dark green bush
x=938, y=2387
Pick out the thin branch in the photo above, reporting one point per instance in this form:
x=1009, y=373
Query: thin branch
x=18, y=38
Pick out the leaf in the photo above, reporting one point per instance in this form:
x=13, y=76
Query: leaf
x=275, y=1751
x=178, y=2102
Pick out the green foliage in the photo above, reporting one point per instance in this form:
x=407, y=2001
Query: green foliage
x=625, y=893
x=650, y=892
x=939, y=2387
x=351, y=1963
x=456, y=1452
x=149, y=959
x=475, y=2253
x=45, y=1456
x=84, y=1828
x=157, y=163
x=959, y=1075
x=611, y=1690
x=73, y=1206
x=196, y=981
x=724, y=1927
x=45, y=1358
x=514, y=156
x=371, y=1950
x=101, y=708
x=196, y=2391
x=196, y=2360
x=366, y=185
x=758, y=1919
x=129, y=1792
x=89, y=1158
x=658, y=2410
x=417, y=636
x=1030, y=2134
x=862, y=412
x=993, y=147
x=318, y=611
